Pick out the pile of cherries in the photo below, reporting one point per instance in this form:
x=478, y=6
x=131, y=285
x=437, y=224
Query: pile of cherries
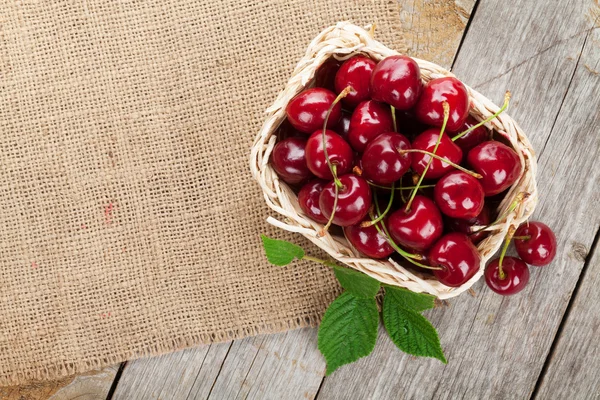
x=404, y=169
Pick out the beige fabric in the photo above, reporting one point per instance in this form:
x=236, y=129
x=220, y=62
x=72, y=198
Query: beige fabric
x=130, y=222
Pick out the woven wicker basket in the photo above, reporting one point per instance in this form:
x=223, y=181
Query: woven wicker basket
x=343, y=41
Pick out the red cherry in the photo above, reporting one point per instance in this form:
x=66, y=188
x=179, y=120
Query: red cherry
x=418, y=228
x=354, y=200
x=464, y=225
x=325, y=75
x=381, y=161
x=540, y=248
x=308, y=199
x=459, y=195
x=516, y=276
x=307, y=111
x=497, y=163
x=338, y=150
x=396, y=80
x=368, y=120
x=447, y=149
x=355, y=72
x=368, y=240
x=473, y=138
x=289, y=161
x=343, y=126
x=458, y=258
x=429, y=109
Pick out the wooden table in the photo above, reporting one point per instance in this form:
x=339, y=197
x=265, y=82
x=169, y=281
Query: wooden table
x=543, y=343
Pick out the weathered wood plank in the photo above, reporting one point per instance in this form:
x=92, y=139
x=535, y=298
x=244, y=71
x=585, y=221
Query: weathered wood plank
x=497, y=346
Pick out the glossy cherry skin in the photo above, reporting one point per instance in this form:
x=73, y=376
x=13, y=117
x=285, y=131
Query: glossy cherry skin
x=368, y=240
x=458, y=258
x=355, y=72
x=419, y=228
x=473, y=138
x=465, y=225
x=382, y=163
x=368, y=120
x=447, y=149
x=325, y=75
x=338, y=150
x=497, y=163
x=308, y=199
x=354, y=200
x=396, y=80
x=343, y=125
x=459, y=195
x=289, y=161
x=307, y=111
x=429, y=109
x=540, y=249
x=516, y=276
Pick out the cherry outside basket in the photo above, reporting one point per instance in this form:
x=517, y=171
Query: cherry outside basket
x=343, y=41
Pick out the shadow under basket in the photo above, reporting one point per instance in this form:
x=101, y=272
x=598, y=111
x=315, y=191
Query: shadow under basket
x=343, y=41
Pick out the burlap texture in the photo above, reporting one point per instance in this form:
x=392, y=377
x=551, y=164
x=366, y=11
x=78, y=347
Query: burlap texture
x=129, y=223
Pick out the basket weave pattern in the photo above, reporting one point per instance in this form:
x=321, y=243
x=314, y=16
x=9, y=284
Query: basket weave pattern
x=343, y=41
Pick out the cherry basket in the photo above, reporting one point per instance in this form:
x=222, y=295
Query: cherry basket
x=343, y=41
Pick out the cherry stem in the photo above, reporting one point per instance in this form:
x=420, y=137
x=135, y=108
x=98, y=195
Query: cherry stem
x=518, y=200
x=398, y=188
x=509, y=235
x=460, y=168
x=522, y=237
x=357, y=170
x=394, y=117
x=500, y=111
x=380, y=216
x=340, y=96
x=401, y=192
x=335, y=202
x=437, y=144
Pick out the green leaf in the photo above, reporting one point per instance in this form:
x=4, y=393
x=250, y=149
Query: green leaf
x=357, y=283
x=280, y=252
x=348, y=330
x=410, y=331
x=410, y=300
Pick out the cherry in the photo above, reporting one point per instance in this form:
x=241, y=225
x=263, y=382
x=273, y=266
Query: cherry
x=381, y=161
x=465, y=225
x=459, y=195
x=368, y=120
x=355, y=72
x=396, y=80
x=368, y=240
x=458, y=258
x=325, y=75
x=535, y=243
x=339, y=152
x=472, y=138
x=447, y=149
x=429, y=107
x=308, y=199
x=343, y=126
x=511, y=279
x=418, y=228
x=354, y=200
x=307, y=111
x=289, y=161
x=497, y=163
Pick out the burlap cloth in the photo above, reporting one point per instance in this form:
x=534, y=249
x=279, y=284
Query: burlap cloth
x=129, y=223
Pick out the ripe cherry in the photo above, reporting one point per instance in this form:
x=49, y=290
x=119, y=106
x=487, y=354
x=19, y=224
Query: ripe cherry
x=447, y=149
x=354, y=200
x=368, y=240
x=535, y=243
x=308, y=199
x=289, y=161
x=418, y=228
x=396, y=80
x=459, y=195
x=339, y=152
x=381, y=161
x=355, y=72
x=465, y=225
x=307, y=111
x=497, y=163
x=429, y=108
x=368, y=120
x=472, y=138
x=325, y=75
x=511, y=280
x=458, y=258
x=343, y=126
